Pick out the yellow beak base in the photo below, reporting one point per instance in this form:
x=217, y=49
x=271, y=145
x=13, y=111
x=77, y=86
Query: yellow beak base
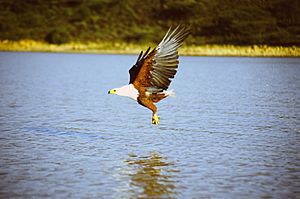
x=112, y=91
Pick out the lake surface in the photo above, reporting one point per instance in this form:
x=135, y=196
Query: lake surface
x=232, y=131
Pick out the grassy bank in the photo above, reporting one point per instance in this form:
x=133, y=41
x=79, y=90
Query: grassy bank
x=130, y=48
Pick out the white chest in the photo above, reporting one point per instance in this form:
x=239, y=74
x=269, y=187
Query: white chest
x=128, y=91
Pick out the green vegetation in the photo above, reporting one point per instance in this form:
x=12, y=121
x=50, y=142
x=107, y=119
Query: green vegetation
x=213, y=22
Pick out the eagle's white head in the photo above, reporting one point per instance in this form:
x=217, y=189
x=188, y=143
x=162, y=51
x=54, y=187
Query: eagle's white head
x=126, y=91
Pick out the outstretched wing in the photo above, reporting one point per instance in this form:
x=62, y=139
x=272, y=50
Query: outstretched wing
x=157, y=68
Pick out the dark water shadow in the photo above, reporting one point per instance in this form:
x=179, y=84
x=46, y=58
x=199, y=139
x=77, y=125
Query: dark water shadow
x=152, y=177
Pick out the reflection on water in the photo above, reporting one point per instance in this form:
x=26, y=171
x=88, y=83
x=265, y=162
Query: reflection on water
x=233, y=131
x=153, y=176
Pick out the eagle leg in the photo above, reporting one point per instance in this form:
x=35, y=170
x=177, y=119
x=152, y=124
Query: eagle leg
x=146, y=102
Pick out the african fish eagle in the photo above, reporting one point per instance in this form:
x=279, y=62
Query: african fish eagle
x=153, y=71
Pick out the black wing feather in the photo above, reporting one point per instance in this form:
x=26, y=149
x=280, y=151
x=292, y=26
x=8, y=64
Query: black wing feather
x=135, y=69
x=165, y=60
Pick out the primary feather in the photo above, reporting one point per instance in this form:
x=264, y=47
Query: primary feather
x=157, y=68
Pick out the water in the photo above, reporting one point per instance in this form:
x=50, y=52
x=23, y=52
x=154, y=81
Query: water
x=233, y=131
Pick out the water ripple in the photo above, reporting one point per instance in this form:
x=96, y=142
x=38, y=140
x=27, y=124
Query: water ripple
x=233, y=131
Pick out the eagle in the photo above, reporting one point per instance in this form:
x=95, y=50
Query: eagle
x=151, y=75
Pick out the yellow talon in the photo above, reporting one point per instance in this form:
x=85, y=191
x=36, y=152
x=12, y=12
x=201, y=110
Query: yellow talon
x=155, y=119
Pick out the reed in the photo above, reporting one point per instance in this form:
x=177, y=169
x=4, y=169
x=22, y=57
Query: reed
x=131, y=48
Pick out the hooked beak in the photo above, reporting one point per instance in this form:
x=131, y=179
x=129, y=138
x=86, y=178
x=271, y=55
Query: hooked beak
x=112, y=91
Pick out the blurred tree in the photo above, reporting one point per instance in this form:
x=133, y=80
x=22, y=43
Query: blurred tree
x=58, y=36
x=274, y=22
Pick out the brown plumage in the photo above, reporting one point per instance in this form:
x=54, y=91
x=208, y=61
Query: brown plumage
x=154, y=71
x=158, y=68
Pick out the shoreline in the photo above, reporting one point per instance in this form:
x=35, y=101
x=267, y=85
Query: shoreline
x=131, y=48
